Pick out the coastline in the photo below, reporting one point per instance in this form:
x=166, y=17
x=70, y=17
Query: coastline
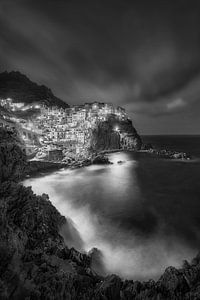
x=37, y=264
x=38, y=166
x=35, y=168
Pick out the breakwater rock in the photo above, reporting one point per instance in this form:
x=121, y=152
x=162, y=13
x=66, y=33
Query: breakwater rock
x=166, y=153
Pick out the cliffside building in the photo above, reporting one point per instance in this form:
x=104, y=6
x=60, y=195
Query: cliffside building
x=64, y=126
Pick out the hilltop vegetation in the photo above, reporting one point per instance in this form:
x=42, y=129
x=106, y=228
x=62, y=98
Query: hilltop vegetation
x=19, y=87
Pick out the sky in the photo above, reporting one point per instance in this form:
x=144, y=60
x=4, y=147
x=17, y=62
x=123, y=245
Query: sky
x=142, y=55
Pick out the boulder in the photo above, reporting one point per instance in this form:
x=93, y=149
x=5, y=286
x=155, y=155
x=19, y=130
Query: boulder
x=100, y=159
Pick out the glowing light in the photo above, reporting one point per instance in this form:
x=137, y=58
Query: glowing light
x=116, y=128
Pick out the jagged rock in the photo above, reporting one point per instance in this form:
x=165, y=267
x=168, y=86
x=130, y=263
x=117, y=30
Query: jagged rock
x=100, y=159
x=34, y=167
x=12, y=158
x=105, y=136
x=109, y=288
x=174, y=282
x=33, y=252
x=96, y=261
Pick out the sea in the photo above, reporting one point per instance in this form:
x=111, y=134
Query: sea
x=142, y=214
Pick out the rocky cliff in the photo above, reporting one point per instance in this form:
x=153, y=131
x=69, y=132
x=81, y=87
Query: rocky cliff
x=12, y=156
x=35, y=262
x=115, y=134
x=20, y=88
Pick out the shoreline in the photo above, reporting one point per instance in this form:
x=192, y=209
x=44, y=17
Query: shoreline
x=37, y=166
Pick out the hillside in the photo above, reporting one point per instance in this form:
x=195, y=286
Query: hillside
x=21, y=89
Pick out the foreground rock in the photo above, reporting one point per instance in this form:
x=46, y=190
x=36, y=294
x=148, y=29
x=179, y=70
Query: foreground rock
x=100, y=160
x=12, y=156
x=34, y=167
x=35, y=262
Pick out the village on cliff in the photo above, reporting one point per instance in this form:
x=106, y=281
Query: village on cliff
x=54, y=133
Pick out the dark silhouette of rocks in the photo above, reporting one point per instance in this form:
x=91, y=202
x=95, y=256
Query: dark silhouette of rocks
x=106, y=137
x=165, y=153
x=35, y=262
x=19, y=87
x=120, y=162
x=100, y=160
x=12, y=157
x=34, y=167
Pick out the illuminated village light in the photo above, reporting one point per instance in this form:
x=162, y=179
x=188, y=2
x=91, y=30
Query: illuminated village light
x=71, y=126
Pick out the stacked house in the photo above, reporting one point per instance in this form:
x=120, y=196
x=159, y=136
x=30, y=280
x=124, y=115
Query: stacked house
x=70, y=127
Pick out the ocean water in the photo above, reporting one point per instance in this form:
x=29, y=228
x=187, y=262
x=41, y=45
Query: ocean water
x=186, y=143
x=143, y=215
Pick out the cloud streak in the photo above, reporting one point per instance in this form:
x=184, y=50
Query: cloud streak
x=140, y=55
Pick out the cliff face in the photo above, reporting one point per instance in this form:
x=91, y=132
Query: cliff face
x=12, y=158
x=17, y=86
x=35, y=262
x=115, y=134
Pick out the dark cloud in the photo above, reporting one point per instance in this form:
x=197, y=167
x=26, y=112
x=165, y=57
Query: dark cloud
x=143, y=55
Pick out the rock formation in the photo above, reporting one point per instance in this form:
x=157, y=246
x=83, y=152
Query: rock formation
x=115, y=134
x=12, y=157
x=35, y=262
x=100, y=160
